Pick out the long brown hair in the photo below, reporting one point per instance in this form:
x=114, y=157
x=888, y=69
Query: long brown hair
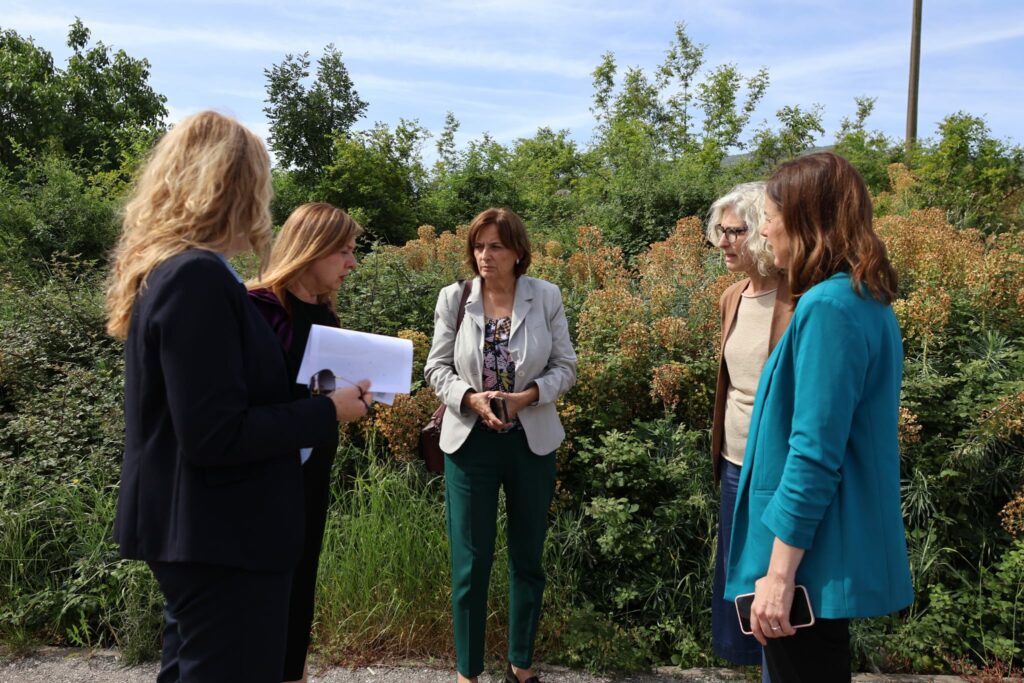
x=311, y=232
x=826, y=211
x=206, y=185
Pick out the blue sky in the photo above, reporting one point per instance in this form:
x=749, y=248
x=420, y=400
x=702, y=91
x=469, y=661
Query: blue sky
x=507, y=67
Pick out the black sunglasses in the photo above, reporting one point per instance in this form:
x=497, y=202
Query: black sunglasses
x=323, y=383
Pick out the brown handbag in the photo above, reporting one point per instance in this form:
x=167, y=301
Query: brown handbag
x=430, y=436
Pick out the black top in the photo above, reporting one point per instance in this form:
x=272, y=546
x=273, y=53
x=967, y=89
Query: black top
x=211, y=468
x=303, y=316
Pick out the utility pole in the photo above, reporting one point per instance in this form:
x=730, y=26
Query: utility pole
x=915, y=73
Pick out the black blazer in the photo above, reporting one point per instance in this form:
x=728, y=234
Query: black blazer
x=211, y=468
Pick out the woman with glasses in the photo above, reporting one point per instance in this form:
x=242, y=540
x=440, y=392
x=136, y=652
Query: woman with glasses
x=311, y=257
x=755, y=312
x=818, y=503
x=211, y=484
x=499, y=373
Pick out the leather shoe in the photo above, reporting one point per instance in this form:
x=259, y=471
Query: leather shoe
x=510, y=676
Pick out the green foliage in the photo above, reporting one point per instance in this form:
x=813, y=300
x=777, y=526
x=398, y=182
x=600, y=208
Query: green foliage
x=871, y=152
x=630, y=547
x=304, y=121
x=974, y=177
x=94, y=110
x=474, y=179
x=799, y=130
x=53, y=208
x=375, y=175
x=646, y=543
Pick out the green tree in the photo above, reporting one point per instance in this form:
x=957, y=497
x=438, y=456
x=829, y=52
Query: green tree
x=99, y=110
x=660, y=142
x=797, y=132
x=376, y=175
x=870, y=152
x=546, y=170
x=476, y=178
x=305, y=121
x=30, y=98
x=109, y=104
x=974, y=177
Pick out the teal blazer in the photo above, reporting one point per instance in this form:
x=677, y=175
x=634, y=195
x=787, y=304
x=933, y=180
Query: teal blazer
x=822, y=465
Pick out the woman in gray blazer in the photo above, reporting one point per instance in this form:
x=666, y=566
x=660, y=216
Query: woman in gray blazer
x=499, y=375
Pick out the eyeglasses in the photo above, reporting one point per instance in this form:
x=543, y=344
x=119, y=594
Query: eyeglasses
x=731, y=234
x=325, y=382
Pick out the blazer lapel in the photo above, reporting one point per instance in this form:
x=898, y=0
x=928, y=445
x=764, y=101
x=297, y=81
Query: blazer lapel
x=475, y=305
x=522, y=303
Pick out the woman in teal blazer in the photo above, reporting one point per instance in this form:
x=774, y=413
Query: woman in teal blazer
x=819, y=496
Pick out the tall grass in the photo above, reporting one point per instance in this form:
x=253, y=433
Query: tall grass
x=384, y=588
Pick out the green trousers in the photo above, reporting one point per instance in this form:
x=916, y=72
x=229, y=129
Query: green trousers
x=489, y=460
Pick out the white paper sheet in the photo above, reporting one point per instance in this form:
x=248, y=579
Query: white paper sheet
x=385, y=361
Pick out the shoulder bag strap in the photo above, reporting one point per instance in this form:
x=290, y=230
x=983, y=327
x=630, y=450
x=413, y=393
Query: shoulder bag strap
x=467, y=287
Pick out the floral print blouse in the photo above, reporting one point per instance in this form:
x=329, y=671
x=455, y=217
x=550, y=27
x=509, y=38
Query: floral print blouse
x=499, y=368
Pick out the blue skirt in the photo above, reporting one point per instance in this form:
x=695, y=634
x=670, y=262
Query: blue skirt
x=727, y=640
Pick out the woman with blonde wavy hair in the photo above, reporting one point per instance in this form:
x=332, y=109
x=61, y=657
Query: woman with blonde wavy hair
x=211, y=485
x=312, y=256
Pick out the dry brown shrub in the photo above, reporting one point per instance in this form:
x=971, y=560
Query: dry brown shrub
x=596, y=264
x=677, y=261
x=909, y=429
x=924, y=313
x=927, y=250
x=666, y=384
x=401, y=423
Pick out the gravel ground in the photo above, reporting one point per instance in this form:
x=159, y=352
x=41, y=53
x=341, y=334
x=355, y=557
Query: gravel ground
x=59, y=665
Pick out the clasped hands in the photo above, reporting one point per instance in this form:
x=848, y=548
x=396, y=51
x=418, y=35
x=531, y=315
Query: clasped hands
x=480, y=403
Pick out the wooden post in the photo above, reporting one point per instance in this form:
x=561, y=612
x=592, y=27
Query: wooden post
x=915, y=72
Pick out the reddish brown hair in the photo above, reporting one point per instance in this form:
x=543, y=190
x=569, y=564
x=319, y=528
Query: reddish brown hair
x=511, y=232
x=826, y=211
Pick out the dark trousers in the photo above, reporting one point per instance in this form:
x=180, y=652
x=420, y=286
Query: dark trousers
x=473, y=474
x=316, y=482
x=222, y=623
x=816, y=654
x=727, y=641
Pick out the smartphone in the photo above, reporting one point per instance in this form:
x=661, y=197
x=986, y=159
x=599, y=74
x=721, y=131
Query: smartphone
x=499, y=409
x=800, y=614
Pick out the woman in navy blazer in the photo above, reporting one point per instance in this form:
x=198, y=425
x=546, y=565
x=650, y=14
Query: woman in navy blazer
x=819, y=495
x=211, y=485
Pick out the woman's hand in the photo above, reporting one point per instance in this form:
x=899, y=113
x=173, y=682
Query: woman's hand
x=773, y=594
x=480, y=403
x=769, y=614
x=520, y=399
x=351, y=402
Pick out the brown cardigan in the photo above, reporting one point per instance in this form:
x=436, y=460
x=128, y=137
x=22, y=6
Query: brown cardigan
x=729, y=304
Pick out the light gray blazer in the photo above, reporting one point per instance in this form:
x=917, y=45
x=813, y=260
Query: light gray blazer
x=539, y=345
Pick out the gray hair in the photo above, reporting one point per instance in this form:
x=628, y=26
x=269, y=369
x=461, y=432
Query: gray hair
x=747, y=200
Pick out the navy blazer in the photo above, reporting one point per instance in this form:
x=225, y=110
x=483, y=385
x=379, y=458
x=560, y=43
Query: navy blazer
x=211, y=468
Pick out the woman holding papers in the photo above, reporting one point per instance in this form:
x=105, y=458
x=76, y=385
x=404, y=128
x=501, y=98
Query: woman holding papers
x=818, y=503
x=312, y=256
x=211, y=487
x=499, y=375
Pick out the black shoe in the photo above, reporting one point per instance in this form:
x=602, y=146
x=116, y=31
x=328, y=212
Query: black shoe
x=510, y=676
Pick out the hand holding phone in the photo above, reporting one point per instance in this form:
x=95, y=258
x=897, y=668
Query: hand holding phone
x=800, y=613
x=500, y=409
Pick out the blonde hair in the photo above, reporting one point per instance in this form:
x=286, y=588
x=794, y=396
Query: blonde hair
x=206, y=185
x=311, y=232
x=747, y=200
